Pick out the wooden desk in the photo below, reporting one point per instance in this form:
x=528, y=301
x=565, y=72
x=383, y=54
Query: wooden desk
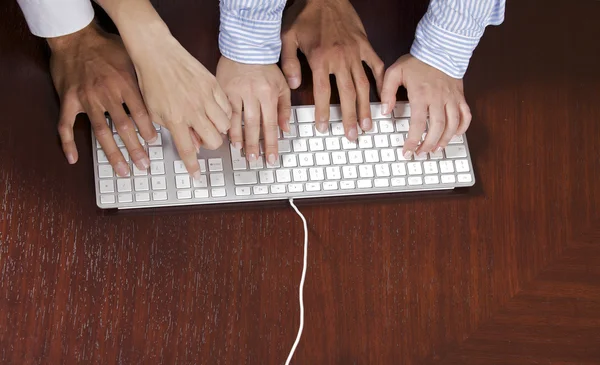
x=507, y=274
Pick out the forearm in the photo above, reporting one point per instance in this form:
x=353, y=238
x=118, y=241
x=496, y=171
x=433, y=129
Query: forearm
x=138, y=23
x=451, y=30
x=250, y=31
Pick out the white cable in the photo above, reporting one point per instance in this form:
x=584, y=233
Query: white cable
x=301, y=289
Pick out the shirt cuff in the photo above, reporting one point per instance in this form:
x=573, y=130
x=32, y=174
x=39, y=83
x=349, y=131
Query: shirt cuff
x=251, y=41
x=55, y=18
x=447, y=51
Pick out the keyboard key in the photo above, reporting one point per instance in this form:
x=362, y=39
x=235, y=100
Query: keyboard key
x=278, y=189
x=202, y=163
x=107, y=199
x=457, y=139
x=107, y=186
x=448, y=179
x=355, y=156
x=257, y=164
x=217, y=179
x=316, y=144
x=119, y=140
x=402, y=125
x=432, y=179
x=101, y=156
x=322, y=159
x=159, y=183
x=436, y=155
x=430, y=167
x=201, y=183
x=293, y=133
x=386, y=126
x=283, y=176
x=313, y=187
x=184, y=194
x=339, y=158
x=402, y=110
x=337, y=129
x=141, y=184
x=371, y=156
x=333, y=173
x=374, y=129
x=300, y=145
x=397, y=140
x=179, y=167
x=381, y=141
x=316, y=174
x=276, y=164
x=306, y=159
x=201, y=193
x=300, y=175
x=398, y=181
x=462, y=165
x=123, y=185
x=160, y=195
x=376, y=112
x=284, y=146
x=456, y=151
x=365, y=142
x=388, y=155
x=415, y=180
x=238, y=162
x=125, y=154
x=138, y=172
x=155, y=153
x=105, y=171
x=330, y=185
x=289, y=160
x=347, y=184
x=125, y=198
x=182, y=181
x=219, y=192
x=244, y=178
x=142, y=197
x=332, y=143
x=349, y=172
x=365, y=171
x=421, y=157
x=322, y=134
x=446, y=167
x=399, y=169
x=295, y=188
x=260, y=190
x=215, y=164
x=335, y=113
x=381, y=183
x=305, y=115
x=266, y=177
x=414, y=168
x=157, y=168
x=464, y=178
x=347, y=144
x=158, y=141
x=305, y=130
x=382, y=170
x=242, y=190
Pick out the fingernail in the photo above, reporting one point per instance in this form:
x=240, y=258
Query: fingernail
x=384, y=109
x=252, y=157
x=366, y=124
x=145, y=163
x=196, y=176
x=422, y=154
x=407, y=155
x=352, y=134
x=322, y=127
x=287, y=126
x=153, y=139
x=122, y=169
x=294, y=82
x=271, y=159
x=438, y=149
x=71, y=158
x=237, y=145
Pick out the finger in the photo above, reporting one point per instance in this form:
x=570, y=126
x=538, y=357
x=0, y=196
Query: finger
x=362, y=92
x=235, y=132
x=289, y=61
x=251, y=128
x=452, y=122
x=418, y=122
x=348, y=100
x=322, y=94
x=185, y=148
x=376, y=65
x=196, y=140
x=392, y=80
x=126, y=130
x=68, y=112
x=284, y=109
x=268, y=106
x=465, y=118
x=220, y=114
x=437, y=124
x=104, y=135
x=139, y=113
x=209, y=135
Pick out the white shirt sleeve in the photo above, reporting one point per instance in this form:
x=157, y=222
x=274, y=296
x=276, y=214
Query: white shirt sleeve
x=55, y=18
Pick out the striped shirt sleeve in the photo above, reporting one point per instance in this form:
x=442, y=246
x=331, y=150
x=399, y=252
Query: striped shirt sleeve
x=450, y=31
x=250, y=30
x=55, y=18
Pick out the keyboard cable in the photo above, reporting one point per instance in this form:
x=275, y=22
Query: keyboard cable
x=301, y=288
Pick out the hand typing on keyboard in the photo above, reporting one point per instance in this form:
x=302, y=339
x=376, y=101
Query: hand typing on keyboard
x=92, y=73
x=430, y=91
x=331, y=35
x=259, y=92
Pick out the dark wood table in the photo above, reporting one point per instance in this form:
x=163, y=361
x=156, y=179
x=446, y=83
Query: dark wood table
x=506, y=273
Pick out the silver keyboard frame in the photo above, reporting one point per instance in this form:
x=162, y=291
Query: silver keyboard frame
x=223, y=152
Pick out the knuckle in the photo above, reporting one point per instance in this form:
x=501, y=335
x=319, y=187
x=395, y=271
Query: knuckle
x=115, y=156
x=212, y=143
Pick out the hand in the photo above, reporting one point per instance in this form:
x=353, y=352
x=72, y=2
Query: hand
x=429, y=89
x=92, y=73
x=262, y=93
x=180, y=93
x=331, y=35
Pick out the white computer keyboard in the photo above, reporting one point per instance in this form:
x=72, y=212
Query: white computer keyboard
x=311, y=165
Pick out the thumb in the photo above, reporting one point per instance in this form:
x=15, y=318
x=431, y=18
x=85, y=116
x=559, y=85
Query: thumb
x=289, y=61
x=392, y=80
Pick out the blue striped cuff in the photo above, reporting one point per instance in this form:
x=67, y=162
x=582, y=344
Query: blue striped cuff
x=250, y=41
x=448, y=52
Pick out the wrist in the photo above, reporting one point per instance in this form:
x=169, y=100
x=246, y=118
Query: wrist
x=86, y=35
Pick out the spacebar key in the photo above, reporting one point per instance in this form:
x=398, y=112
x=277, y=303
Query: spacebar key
x=245, y=177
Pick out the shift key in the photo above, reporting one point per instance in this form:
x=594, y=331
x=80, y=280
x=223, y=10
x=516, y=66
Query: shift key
x=245, y=178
